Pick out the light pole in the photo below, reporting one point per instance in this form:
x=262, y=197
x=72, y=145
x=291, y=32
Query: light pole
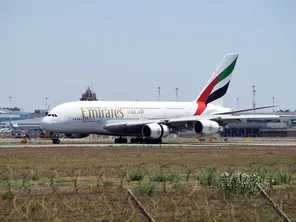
x=237, y=103
x=10, y=110
x=177, y=93
x=10, y=103
x=254, y=94
x=273, y=104
x=158, y=93
x=46, y=103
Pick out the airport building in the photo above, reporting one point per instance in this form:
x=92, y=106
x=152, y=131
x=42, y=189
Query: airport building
x=285, y=126
x=12, y=115
x=16, y=121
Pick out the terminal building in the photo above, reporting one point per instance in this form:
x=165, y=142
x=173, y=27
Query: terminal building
x=285, y=126
x=14, y=114
x=16, y=122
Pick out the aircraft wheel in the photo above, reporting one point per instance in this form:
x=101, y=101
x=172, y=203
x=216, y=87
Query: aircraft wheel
x=132, y=140
x=56, y=141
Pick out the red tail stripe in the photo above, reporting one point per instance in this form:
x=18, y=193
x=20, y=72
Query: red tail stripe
x=205, y=94
x=201, y=107
x=201, y=101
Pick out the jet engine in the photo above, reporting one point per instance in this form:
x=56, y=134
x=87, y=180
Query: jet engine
x=206, y=127
x=155, y=131
x=76, y=135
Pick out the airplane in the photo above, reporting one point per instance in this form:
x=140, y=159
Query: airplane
x=150, y=121
x=5, y=130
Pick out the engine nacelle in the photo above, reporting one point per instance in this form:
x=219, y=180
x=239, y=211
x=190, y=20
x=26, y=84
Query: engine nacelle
x=206, y=127
x=155, y=131
x=76, y=135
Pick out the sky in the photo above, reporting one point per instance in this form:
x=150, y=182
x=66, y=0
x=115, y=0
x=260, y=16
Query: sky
x=127, y=49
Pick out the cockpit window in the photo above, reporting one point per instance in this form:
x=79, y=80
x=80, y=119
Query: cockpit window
x=53, y=115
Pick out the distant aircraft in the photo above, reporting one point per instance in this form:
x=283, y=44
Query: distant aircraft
x=5, y=130
x=149, y=122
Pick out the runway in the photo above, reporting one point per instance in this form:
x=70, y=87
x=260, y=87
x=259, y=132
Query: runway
x=290, y=144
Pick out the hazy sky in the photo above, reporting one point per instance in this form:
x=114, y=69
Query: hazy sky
x=127, y=49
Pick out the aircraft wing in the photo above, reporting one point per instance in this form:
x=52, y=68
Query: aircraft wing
x=183, y=123
x=244, y=110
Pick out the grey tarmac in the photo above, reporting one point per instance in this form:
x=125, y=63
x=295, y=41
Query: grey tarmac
x=290, y=144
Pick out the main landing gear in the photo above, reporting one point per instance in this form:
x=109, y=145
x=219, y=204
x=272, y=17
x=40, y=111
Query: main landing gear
x=146, y=140
x=138, y=140
x=120, y=140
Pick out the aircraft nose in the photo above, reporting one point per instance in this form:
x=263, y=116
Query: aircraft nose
x=45, y=124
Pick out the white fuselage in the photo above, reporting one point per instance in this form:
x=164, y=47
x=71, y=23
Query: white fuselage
x=86, y=117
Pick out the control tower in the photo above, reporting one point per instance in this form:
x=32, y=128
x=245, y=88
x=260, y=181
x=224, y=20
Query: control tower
x=88, y=95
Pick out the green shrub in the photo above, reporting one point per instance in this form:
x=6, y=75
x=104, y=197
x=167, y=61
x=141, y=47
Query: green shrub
x=4, y=180
x=178, y=187
x=136, y=175
x=7, y=196
x=145, y=189
x=280, y=178
x=108, y=183
x=158, y=177
x=162, y=177
x=173, y=177
x=35, y=176
x=34, y=206
x=262, y=172
x=209, y=176
x=62, y=181
x=240, y=183
x=41, y=183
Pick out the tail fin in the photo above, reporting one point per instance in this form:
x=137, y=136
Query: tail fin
x=218, y=84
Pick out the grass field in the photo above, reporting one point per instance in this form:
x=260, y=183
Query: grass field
x=89, y=184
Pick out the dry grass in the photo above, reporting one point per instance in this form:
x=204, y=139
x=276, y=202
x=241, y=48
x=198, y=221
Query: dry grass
x=84, y=184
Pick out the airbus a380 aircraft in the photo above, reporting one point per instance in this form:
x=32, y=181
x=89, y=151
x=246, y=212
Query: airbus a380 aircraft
x=149, y=122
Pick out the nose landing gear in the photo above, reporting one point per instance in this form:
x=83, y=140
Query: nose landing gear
x=55, y=139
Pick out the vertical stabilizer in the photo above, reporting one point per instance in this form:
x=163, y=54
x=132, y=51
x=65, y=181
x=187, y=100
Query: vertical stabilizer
x=218, y=84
